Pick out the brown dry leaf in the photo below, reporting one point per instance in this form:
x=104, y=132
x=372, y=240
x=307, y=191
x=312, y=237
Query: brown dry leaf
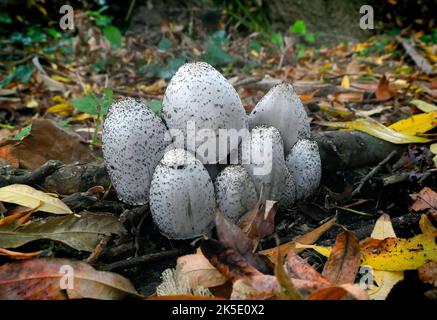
x=260, y=221
x=227, y=260
x=47, y=141
x=60, y=279
x=384, y=91
x=288, y=290
x=19, y=255
x=233, y=237
x=308, y=238
x=198, y=271
x=369, y=87
x=353, y=67
x=347, y=96
x=424, y=200
x=6, y=156
x=184, y=297
x=299, y=269
x=260, y=287
x=344, y=292
x=344, y=261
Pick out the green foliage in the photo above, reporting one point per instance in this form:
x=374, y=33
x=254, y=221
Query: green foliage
x=277, y=39
x=22, y=74
x=94, y=105
x=5, y=18
x=165, y=44
x=155, y=106
x=300, y=28
x=215, y=53
x=249, y=14
x=20, y=135
x=430, y=38
x=104, y=22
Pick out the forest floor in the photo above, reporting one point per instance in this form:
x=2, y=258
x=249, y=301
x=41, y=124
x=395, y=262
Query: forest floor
x=71, y=80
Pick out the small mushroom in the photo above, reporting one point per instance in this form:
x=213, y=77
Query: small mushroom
x=134, y=140
x=263, y=158
x=182, y=198
x=199, y=93
x=305, y=166
x=282, y=109
x=235, y=192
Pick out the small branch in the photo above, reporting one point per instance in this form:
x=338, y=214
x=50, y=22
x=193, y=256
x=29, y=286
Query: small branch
x=30, y=178
x=130, y=263
x=373, y=172
x=420, y=61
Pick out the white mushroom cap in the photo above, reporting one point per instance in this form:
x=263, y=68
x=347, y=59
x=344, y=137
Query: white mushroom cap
x=304, y=164
x=199, y=93
x=267, y=164
x=282, y=109
x=235, y=192
x=182, y=200
x=134, y=140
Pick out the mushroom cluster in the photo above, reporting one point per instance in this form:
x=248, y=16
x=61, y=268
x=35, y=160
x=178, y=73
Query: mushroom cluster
x=206, y=152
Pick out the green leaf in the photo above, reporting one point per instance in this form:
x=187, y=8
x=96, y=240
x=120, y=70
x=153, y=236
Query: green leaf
x=155, y=106
x=277, y=39
x=21, y=74
x=299, y=27
x=165, y=44
x=5, y=18
x=310, y=37
x=88, y=104
x=106, y=101
x=113, y=35
x=54, y=33
x=20, y=135
x=215, y=53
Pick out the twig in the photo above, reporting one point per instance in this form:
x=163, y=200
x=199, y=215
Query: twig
x=420, y=61
x=31, y=178
x=94, y=256
x=373, y=172
x=130, y=263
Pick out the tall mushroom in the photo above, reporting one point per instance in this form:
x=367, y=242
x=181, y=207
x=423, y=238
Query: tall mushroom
x=199, y=98
x=182, y=200
x=134, y=140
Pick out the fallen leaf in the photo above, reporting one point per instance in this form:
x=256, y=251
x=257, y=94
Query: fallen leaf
x=345, y=82
x=344, y=292
x=227, y=260
x=344, y=260
x=417, y=124
x=288, y=290
x=425, y=225
x=19, y=255
x=384, y=280
x=297, y=268
x=424, y=106
x=428, y=273
x=354, y=96
x=81, y=233
x=396, y=254
x=378, y=130
x=324, y=251
x=384, y=91
x=29, y=197
x=307, y=238
x=60, y=279
x=184, y=297
x=157, y=86
x=47, y=141
x=199, y=271
x=260, y=221
x=425, y=199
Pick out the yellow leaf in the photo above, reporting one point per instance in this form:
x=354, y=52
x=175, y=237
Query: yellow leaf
x=417, y=124
x=81, y=117
x=157, y=86
x=61, y=108
x=61, y=79
x=29, y=197
x=385, y=280
x=395, y=254
x=424, y=106
x=254, y=53
x=425, y=225
x=32, y=103
x=324, y=251
x=345, y=82
x=378, y=130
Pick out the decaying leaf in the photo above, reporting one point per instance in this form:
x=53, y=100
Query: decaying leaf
x=426, y=226
x=288, y=290
x=19, y=255
x=428, y=273
x=227, y=260
x=299, y=269
x=344, y=292
x=425, y=199
x=384, y=91
x=344, y=260
x=199, y=271
x=29, y=197
x=260, y=221
x=377, y=130
x=424, y=106
x=384, y=280
x=59, y=279
x=81, y=233
x=47, y=141
x=307, y=238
